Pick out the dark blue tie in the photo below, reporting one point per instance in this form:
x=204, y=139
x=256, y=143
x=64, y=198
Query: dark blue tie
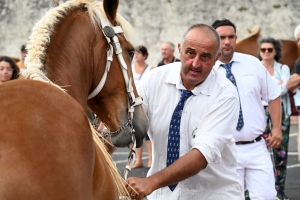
x=174, y=132
x=230, y=76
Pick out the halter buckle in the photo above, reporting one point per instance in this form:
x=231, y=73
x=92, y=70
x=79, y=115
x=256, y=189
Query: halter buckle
x=109, y=32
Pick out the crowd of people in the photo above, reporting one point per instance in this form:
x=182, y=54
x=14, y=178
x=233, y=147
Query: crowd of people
x=213, y=114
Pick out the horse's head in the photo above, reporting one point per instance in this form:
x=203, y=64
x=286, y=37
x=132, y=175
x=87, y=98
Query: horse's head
x=81, y=45
x=249, y=45
x=117, y=104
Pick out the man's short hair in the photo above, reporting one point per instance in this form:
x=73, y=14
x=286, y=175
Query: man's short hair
x=223, y=22
x=203, y=26
x=172, y=46
x=297, y=31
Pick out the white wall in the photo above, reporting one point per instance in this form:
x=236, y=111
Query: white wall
x=157, y=21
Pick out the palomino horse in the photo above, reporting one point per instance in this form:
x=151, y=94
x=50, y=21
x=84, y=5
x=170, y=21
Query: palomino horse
x=69, y=48
x=72, y=46
x=47, y=150
x=250, y=45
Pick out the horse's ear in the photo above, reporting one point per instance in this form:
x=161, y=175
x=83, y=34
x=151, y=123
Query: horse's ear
x=110, y=8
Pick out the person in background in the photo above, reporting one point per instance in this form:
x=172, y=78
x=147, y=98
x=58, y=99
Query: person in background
x=8, y=69
x=270, y=54
x=294, y=83
x=23, y=55
x=139, y=69
x=167, y=52
x=192, y=113
x=250, y=77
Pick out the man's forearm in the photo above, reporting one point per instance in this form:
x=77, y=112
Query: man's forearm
x=275, y=112
x=185, y=167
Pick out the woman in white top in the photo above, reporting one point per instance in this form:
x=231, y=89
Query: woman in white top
x=139, y=70
x=270, y=54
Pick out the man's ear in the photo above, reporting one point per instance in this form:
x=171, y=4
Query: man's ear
x=179, y=47
x=218, y=55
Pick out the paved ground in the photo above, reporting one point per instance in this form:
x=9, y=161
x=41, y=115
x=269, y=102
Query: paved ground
x=293, y=174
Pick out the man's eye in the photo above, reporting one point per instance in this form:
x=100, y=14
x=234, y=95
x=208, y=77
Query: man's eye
x=206, y=57
x=190, y=53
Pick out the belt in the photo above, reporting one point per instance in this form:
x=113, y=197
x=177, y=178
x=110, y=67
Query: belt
x=249, y=142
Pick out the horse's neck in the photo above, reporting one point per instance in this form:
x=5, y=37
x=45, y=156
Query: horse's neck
x=69, y=79
x=71, y=63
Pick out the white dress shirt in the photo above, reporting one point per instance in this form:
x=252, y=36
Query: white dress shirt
x=254, y=82
x=208, y=122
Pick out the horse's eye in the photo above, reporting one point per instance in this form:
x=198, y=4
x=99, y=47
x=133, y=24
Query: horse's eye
x=131, y=54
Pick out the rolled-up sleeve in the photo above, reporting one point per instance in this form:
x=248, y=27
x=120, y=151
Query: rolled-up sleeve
x=217, y=128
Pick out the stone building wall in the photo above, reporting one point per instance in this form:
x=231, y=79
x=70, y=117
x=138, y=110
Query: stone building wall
x=161, y=20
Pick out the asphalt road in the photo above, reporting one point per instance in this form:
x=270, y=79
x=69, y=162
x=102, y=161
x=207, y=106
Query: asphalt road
x=293, y=172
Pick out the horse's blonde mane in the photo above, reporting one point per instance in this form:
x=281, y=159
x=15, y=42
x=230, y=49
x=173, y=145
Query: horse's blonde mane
x=36, y=56
x=43, y=29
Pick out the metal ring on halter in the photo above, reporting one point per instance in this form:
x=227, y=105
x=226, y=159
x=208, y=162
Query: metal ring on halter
x=111, y=134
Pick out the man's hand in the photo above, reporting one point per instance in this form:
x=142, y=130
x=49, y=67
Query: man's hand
x=186, y=166
x=138, y=188
x=275, y=138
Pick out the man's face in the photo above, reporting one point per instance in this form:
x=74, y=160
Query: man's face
x=298, y=40
x=166, y=51
x=228, y=41
x=198, y=56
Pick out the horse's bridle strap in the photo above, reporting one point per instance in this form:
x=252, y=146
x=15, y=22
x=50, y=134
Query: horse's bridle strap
x=99, y=87
x=114, y=45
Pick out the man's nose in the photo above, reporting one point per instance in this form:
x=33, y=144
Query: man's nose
x=196, y=62
x=226, y=41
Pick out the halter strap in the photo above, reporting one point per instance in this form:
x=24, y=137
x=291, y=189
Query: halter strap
x=114, y=45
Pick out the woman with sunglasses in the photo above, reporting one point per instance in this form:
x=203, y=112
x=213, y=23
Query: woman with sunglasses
x=270, y=54
x=8, y=69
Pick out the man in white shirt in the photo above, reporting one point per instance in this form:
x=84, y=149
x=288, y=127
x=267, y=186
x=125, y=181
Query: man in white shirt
x=167, y=52
x=206, y=164
x=253, y=83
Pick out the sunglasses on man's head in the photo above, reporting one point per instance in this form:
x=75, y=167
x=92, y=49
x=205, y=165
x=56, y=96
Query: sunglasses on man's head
x=263, y=50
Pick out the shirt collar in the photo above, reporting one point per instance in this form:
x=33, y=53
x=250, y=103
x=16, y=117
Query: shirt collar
x=205, y=87
x=173, y=60
x=234, y=59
